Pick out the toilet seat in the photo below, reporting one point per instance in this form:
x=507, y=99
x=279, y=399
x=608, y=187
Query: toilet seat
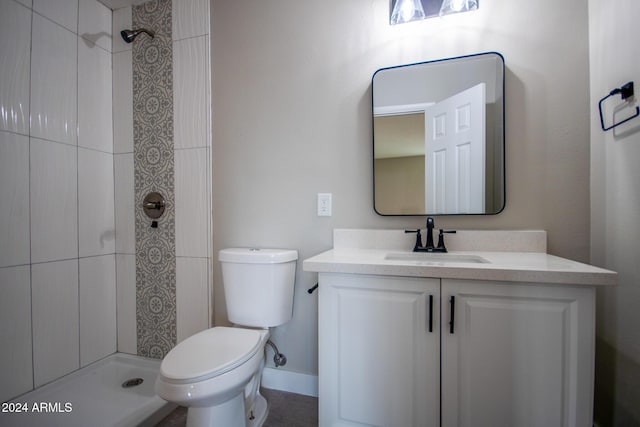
x=210, y=353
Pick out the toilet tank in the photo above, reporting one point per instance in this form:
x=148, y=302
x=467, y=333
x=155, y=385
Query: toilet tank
x=258, y=285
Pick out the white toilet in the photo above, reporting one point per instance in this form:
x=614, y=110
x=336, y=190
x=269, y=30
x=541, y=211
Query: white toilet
x=216, y=373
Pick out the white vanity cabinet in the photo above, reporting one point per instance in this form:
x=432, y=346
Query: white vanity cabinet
x=379, y=364
x=514, y=354
x=518, y=354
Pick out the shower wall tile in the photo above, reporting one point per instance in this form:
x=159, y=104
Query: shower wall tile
x=190, y=18
x=14, y=199
x=15, y=51
x=98, y=330
x=15, y=332
x=56, y=310
x=55, y=319
x=95, y=124
x=126, y=298
x=53, y=82
x=125, y=214
x=192, y=296
x=96, y=203
x=122, y=102
x=191, y=81
x=53, y=201
x=192, y=202
x=154, y=171
x=121, y=19
x=94, y=23
x=63, y=12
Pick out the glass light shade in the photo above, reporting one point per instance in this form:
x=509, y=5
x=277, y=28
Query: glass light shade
x=454, y=6
x=406, y=11
x=402, y=11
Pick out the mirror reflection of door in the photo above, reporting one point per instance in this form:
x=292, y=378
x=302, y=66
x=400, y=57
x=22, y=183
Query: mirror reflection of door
x=455, y=153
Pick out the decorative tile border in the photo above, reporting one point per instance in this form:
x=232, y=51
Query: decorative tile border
x=154, y=171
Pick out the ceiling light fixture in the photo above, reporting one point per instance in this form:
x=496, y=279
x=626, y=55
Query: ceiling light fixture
x=406, y=11
x=402, y=11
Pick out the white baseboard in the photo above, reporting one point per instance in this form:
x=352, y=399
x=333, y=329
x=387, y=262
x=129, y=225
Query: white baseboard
x=293, y=382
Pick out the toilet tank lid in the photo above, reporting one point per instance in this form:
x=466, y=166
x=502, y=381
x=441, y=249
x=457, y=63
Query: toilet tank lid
x=257, y=255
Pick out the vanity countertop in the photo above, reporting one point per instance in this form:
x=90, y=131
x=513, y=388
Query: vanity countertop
x=514, y=266
x=501, y=266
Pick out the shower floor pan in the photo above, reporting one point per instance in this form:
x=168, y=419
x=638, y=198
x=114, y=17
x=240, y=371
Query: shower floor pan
x=115, y=391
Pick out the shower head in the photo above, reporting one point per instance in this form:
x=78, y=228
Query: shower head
x=130, y=35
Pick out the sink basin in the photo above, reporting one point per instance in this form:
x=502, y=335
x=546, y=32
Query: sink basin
x=435, y=258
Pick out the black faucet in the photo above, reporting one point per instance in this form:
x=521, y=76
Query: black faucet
x=429, y=247
x=430, y=224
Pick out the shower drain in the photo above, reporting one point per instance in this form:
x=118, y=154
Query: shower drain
x=132, y=382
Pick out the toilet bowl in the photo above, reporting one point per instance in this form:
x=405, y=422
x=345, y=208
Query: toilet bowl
x=209, y=372
x=216, y=373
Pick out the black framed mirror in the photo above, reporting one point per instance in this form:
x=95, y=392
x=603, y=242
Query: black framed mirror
x=438, y=137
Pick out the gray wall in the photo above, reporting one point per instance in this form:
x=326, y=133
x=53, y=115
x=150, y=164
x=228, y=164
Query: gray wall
x=292, y=117
x=615, y=232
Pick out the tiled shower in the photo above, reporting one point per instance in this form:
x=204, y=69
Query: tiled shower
x=67, y=210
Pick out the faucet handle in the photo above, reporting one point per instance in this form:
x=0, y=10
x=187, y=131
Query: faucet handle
x=441, y=247
x=418, y=238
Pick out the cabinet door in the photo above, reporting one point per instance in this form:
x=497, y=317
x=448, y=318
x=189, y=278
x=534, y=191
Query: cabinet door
x=379, y=363
x=518, y=355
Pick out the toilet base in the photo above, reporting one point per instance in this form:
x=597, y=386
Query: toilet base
x=257, y=415
x=230, y=414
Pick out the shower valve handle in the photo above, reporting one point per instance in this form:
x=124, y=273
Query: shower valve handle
x=153, y=205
